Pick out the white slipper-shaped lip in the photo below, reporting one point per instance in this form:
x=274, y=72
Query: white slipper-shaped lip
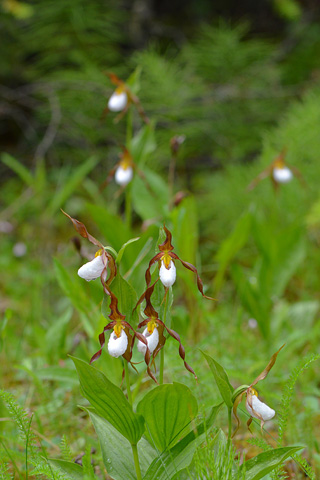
x=117, y=345
x=92, y=270
x=168, y=275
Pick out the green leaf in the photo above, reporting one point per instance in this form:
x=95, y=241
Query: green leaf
x=116, y=451
x=231, y=245
x=109, y=401
x=221, y=379
x=185, y=229
x=74, y=179
x=71, y=469
x=72, y=287
x=124, y=246
x=143, y=144
x=265, y=462
x=180, y=456
x=18, y=168
x=167, y=410
x=151, y=200
x=127, y=298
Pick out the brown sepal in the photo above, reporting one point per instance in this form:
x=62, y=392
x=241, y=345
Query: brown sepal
x=193, y=269
x=265, y=372
x=166, y=246
x=264, y=174
x=80, y=227
x=249, y=423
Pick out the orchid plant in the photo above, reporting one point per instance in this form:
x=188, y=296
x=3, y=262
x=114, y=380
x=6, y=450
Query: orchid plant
x=279, y=172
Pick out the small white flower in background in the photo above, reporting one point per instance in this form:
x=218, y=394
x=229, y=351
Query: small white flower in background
x=252, y=323
x=152, y=339
x=118, y=100
x=93, y=269
x=117, y=345
x=282, y=175
x=19, y=249
x=123, y=175
x=258, y=409
x=168, y=275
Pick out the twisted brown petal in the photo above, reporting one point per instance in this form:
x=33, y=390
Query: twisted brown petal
x=148, y=273
x=102, y=341
x=193, y=269
x=182, y=351
x=234, y=409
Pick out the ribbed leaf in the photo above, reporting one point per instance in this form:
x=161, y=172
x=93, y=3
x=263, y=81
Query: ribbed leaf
x=109, y=401
x=71, y=469
x=167, y=410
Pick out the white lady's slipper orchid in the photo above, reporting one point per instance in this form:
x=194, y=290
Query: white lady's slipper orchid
x=123, y=176
x=152, y=339
x=118, y=100
x=168, y=275
x=259, y=409
x=282, y=175
x=93, y=269
x=117, y=345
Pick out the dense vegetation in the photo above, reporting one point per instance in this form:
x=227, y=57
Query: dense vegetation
x=238, y=99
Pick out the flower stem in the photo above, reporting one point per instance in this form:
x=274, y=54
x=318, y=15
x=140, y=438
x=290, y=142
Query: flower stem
x=129, y=128
x=136, y=461
x=230, y=424
x=162, y=349
x=128, y=209
x=126, y=369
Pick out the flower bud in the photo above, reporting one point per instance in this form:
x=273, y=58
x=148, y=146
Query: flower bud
x=168, y=275
x=123, y=175
x=152, y=340
x=265, y=412
x=282, y=175
x=92, y=270
x=117, y=345
x=118, y=101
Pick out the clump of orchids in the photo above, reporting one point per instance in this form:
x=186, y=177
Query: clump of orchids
x=122, y=98
x=254, y=406
x=279, y=172
x=121, y=341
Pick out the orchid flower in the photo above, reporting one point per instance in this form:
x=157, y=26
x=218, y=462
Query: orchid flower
x=98, y=266
x=122, y=337
x=153, y=332
x=279, y=172
x=122, y=98
x=167, y=269
x=254, y=406
x=122, y=172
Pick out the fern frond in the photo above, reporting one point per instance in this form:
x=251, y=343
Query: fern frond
x=4, y=474
x=65, y=449
x=305, y=466
x=288, y=393
x=22, y=420
x=261, y=443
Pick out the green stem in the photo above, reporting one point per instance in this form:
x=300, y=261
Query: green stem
x=162, y=349
x=230, y=424
x=129, y=128
x=128, y=209
x=126, y=369
x=136, y=461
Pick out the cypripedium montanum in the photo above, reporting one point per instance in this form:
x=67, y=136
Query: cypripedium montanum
x=122, y=171
x=122, y=337
x=279, y=172
x=167, y=268
x=153, y=332
x=98, y=266
x=254, y=406
x=122, y=98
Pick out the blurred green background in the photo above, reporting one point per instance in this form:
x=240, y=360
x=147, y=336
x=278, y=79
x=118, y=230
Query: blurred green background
x=241, y=81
